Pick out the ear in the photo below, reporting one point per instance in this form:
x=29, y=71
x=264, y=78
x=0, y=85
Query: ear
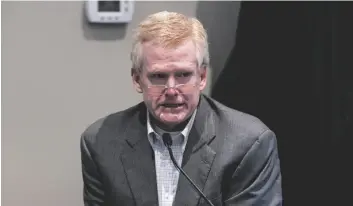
x=136, y=80
x=203, y=75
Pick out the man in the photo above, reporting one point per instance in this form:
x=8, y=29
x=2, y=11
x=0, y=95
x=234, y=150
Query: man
x=231, y=156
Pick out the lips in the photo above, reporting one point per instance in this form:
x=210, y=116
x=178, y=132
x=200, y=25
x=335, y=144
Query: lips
x=172, y=105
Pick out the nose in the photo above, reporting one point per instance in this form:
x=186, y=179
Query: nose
x=171, y=90
x=170, y=82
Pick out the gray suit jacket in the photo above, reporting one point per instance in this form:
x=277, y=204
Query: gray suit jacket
x=230, y=155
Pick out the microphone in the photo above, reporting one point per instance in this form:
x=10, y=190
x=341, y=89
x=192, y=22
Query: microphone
x=167, y=140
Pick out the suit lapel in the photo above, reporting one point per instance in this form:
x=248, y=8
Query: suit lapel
x=138, y=162
x=198, y=156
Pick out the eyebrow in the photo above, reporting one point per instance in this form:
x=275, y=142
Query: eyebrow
x=180, y=69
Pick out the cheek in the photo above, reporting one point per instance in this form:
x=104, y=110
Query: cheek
x=150, y=101
x=193, y=98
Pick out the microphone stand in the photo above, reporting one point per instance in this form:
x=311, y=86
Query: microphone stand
x=167, y=140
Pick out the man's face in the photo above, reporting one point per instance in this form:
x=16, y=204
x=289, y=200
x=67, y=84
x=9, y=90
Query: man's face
x=171, y=82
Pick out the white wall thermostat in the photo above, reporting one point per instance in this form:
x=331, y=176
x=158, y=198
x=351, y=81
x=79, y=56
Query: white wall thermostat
x=109, y=11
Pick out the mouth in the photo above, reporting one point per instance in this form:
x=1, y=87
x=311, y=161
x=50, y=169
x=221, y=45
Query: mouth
x=172, y=105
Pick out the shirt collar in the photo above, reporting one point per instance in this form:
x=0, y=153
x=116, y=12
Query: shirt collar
x=185, y=132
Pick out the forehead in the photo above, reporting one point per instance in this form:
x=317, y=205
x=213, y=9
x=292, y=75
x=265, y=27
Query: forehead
x=160, y=58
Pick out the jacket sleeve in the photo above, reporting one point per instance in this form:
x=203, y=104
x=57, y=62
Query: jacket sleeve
x=257, y=179
x=93, y=193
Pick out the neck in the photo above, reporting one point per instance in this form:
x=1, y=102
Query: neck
x=169, y=128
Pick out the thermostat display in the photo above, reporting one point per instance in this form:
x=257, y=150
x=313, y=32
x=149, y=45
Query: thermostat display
x=109, y=11
x=109, y=6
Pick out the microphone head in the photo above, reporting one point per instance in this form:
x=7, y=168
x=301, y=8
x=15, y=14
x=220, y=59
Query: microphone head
x=167, y=139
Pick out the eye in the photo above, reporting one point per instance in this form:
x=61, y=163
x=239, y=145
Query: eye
x=183, y=74
x=158, y=76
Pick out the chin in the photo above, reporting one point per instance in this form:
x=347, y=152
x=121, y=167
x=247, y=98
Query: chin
x=172, y=118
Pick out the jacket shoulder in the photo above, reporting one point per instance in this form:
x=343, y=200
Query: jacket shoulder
x=238, y=122
x=113, y=121
x=238, y=131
